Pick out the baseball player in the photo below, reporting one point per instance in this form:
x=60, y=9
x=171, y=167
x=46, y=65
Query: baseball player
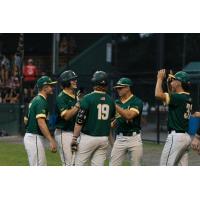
x=66, y=110
x=94, y=121
x=36, y=124
x=175, y=151
x=127, y=125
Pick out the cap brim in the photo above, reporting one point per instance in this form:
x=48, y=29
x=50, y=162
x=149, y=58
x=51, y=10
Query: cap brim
x=171, y=76
x=52, y=83
x=121, y=86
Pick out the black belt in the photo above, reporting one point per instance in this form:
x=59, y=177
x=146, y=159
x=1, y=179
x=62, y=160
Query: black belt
x=129, y=134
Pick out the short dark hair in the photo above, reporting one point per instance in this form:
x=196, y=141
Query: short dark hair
x=100, y=87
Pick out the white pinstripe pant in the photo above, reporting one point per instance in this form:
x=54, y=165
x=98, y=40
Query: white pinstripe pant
x=91, y=150
x=63, y=140
x=175, y=151
x=34, y=145
x=125, y=144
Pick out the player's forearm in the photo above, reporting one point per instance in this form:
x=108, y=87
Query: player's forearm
x=111, y=139
x=70, y=113
x=113, y=123
x=44, y=129
x=159, y=94
x=127, y=114
x=77, y=130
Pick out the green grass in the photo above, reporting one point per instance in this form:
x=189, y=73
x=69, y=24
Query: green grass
x=15, y=155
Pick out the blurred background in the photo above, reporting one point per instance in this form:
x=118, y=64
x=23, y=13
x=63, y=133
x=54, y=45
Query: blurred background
x=25, y=57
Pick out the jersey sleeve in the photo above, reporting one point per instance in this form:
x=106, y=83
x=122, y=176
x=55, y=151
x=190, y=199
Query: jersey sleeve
x=136, y=107
x=62, y=106
x=41, y=110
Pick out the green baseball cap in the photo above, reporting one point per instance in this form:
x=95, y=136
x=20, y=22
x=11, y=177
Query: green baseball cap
x=181, y=76
x=124, y=82
x=45, y=80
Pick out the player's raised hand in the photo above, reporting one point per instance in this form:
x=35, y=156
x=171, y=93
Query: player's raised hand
x=161, y=74
x=78, y=95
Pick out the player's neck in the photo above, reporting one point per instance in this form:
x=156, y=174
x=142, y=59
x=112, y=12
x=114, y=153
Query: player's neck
x=126, y=96
x=69, y=91
x=43, y=94
x=179, y=90
x=100, y=89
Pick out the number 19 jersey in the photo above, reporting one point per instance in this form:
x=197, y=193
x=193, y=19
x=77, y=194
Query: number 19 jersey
x=100, y=109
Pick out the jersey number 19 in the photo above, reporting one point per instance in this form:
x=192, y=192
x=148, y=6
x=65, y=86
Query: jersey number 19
x=103, y=111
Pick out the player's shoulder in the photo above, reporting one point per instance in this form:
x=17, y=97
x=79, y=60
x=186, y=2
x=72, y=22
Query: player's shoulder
x=137, y=99
x=181, y=95
x=110, y=100
x=91, y=95
x=88, y=96
x=61, y=96
x=39, y=100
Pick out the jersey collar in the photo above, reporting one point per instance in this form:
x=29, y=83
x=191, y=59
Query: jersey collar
x=71, y=95
x=183, y=93
x=42, y=96
x=101, y=92
x=124, y=101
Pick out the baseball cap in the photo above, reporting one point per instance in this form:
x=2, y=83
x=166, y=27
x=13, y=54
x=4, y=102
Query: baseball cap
x=124, y=82
x=45, y=80
x=181, y=76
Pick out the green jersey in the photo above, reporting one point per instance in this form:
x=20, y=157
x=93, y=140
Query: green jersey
x=64, y=102
x=180, y=107
x=128, y=126
x=100, y=109
x=38, y=108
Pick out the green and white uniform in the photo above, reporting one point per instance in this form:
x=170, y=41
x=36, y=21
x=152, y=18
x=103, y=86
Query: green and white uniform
x=175, y=151
x=33, y=139
x=128, y=133
x=64, y=129
x=100, y=109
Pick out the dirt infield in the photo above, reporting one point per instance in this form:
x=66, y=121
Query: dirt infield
x=12, y=139
x=152, y=151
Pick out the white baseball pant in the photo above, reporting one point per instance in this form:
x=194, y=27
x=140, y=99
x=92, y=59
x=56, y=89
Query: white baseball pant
x=34, y=145
x=125, y=144
x=91, y=148
x=175, y=151
x=63, y=140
